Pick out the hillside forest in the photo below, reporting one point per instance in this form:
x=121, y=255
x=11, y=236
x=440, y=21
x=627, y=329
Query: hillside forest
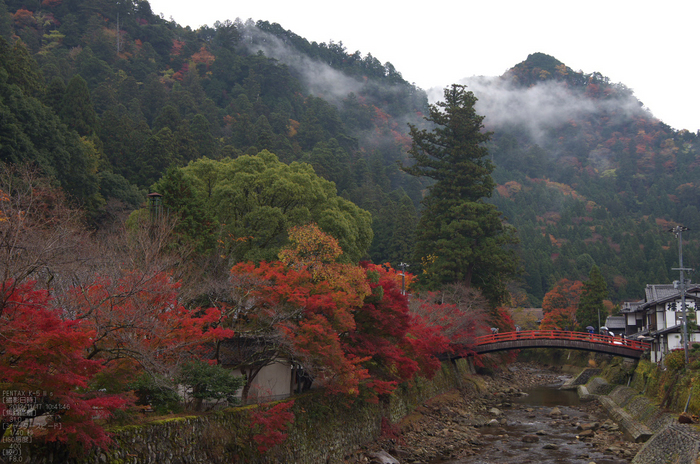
x=597, y=183
x=247, y=182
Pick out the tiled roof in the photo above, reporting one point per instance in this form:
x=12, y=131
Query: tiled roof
x=656, y=292
x=631, y=306
x=615, y=322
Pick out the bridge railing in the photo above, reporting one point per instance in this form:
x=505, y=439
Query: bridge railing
x=562, y=335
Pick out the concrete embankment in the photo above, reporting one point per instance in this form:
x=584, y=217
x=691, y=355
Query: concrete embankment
x=666, y=440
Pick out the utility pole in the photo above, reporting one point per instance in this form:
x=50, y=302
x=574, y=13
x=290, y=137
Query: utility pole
x=678, y=232
x=403, y=267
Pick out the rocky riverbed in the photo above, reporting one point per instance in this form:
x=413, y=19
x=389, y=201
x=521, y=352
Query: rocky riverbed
x=485, y=419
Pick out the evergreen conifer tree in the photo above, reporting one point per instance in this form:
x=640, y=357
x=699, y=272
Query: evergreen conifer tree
x=595, y=290
x=76, y=108
x=460, y=237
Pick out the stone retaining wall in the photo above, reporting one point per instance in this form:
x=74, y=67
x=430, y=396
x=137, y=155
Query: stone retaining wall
x=637, y=431
x=667, y=440
x=583, y=378
x=676, y=443
x=325, y=430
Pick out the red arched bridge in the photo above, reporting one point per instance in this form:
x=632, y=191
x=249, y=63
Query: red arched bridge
x=560, y=339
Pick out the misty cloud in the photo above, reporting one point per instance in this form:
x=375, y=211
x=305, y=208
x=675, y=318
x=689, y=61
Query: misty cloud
x=541, y=108
x=321, y=79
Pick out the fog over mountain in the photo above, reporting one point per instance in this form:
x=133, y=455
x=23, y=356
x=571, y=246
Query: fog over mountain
x=319, y=78
x=541, y=108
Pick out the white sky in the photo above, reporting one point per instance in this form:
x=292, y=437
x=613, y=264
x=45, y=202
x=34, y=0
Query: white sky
x=651, y=47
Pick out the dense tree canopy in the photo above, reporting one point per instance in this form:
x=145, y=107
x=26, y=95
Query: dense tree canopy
x=255, y=200
x=586, y=188
x=460, y=237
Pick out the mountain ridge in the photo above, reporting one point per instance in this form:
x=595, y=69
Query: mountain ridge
x=585, y=172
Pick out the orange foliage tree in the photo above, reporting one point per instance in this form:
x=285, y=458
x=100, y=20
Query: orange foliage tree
x=565, y=294
x=560, y=305
x=348, y=325
x=559, y=319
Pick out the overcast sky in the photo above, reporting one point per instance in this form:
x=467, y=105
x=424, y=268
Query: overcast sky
x=651, y=47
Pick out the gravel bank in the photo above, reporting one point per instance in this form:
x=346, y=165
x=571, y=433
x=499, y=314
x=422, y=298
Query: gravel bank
x=450, y=426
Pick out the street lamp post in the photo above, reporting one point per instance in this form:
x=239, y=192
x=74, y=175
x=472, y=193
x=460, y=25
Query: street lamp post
x=678, y=232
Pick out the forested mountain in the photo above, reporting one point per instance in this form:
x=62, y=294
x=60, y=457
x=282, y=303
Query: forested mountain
x=588, y=176
x=142, y=94
x=106, y=96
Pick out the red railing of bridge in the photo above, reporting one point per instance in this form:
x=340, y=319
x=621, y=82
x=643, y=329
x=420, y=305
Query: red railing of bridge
x=562, y=335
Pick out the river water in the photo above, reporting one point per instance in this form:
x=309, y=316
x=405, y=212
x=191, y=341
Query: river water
x=555, y=437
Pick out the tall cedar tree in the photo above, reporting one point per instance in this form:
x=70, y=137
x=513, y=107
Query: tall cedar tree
x=595, y=290
x=460, y=237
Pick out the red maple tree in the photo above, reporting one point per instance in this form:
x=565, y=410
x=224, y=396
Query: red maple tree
x=42, y=359
x=459, y=314
x=138, y=316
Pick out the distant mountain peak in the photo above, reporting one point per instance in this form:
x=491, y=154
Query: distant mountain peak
x=540, y=67
x=542, y=61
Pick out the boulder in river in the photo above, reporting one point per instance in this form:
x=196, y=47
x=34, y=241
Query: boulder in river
x=382, y=457
x=588, y=426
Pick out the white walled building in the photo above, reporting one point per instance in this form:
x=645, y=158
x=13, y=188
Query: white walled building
x=657, y=318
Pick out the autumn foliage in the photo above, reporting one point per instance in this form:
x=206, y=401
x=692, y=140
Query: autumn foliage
x=564, y=295
x=42, y=352
x=457, y=314
x=348, y=325
x=560, y=305
x=351, y=326
x=269, y=425
x=138, y=316
x=559, y=319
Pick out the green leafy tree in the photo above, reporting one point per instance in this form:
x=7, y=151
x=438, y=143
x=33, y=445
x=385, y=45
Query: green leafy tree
x=54, y=93
x=460, y=237
x=255, y=200
x=203, y=139
x=157, y=155
x=30, y=132
x=157, y=392
x=594, y=292
x=196, y=223
x=204, y=381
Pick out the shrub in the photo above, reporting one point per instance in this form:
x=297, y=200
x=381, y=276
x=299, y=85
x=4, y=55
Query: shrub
x=204, y=381
x=160, y=394
x=675, y=360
